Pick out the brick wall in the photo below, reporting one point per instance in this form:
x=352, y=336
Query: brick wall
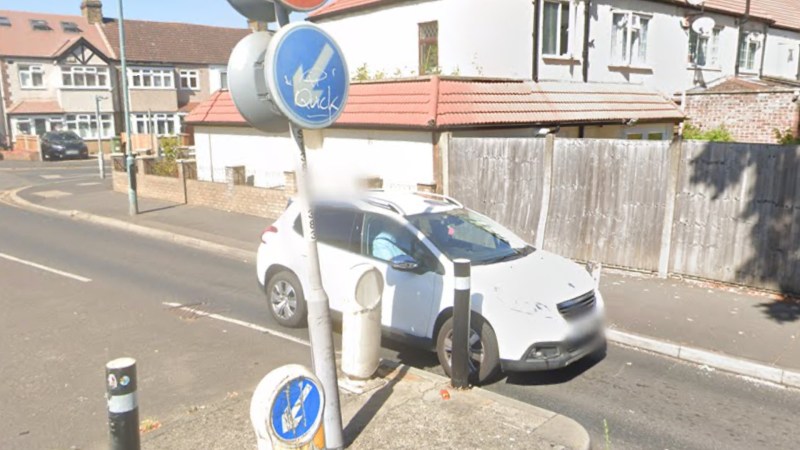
x=749, y=116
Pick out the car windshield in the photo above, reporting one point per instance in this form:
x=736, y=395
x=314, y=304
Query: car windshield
x=62, y=136
x=462, y=233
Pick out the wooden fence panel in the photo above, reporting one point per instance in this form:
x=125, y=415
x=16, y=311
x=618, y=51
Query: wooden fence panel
x=737, y=214
x=608, y=201
x=500, y=177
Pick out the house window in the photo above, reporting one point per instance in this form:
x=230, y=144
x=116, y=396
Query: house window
x=152, y=78
x=70, y=27
x=428, y=48
x=161, y=124
x=23, y=126
x=83, y=76
x=85, y=125
x=629, y=39
x=223, y=79
x=749, y=52
x=556, y=28
x=31, y=76
x=4, y=21
x=703, y=49
x=190, y=80
x=40, y=25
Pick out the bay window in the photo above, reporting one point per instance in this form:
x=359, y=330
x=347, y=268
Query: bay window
x=162, y=124
x=85, y=125
x=151, y=78
x=84, y=76
x=629, y=33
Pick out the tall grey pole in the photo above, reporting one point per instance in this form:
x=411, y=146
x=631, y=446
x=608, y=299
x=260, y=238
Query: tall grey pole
x=320, y=329
x=133, y=203
x=100, y=163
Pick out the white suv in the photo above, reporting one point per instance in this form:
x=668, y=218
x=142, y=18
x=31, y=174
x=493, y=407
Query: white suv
x=531, y=310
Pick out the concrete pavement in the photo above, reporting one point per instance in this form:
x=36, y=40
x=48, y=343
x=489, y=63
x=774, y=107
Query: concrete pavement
x=727, y=328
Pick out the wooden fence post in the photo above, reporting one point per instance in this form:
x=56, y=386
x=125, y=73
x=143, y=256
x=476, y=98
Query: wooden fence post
x=547, y=184
x=675, y=155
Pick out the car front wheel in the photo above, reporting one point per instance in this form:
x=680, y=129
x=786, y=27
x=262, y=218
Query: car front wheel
x=484, y=359
x=286, y=301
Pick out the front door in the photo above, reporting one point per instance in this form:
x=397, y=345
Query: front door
x=409, y=297
x=40, y=126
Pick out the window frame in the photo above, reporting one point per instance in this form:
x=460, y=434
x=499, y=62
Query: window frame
x=142, y=124
x=31, y=70
x=79, y=123
x=712, y=49
x=754, y=56
x=627, y=50
x=85, y=71
x=570, y=33
x=425, y=44
x=191, y=76
x=164, y=74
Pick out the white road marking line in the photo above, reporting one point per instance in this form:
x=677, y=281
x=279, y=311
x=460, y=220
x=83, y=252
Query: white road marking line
x=241, y=323
x=51, y=177
x=52, y=194
x=93, y=183
x=46, y=269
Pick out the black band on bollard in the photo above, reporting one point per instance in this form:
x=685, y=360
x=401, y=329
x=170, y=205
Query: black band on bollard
x=123, y=404
x=459, y=369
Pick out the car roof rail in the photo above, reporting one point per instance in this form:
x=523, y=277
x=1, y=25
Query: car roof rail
x=450, y=200
x=385, y=204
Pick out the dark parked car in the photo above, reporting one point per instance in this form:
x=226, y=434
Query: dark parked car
x=63, y=144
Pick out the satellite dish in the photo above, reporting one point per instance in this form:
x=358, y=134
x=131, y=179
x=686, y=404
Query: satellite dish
x=703, y=25
x=695, y=2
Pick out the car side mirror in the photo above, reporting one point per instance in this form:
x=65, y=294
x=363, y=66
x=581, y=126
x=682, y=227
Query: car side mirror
x=404, y=263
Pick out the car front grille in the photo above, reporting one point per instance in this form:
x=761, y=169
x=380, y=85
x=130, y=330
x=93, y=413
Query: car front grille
x=577, y=307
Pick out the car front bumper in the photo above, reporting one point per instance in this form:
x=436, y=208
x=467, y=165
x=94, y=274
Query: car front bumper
x=555, y=355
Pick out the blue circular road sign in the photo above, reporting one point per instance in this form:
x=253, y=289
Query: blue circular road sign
x=307, y=75
x=296, y=412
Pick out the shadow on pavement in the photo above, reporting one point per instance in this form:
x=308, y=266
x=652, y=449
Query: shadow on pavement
x=163, y=208
x=558, y=376
x=368, y=411
x=781, y=311
x=412, y=356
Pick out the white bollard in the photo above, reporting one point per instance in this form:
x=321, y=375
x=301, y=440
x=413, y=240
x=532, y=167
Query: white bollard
x=361, y=323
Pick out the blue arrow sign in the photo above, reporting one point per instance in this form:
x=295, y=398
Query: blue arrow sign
x=296, y=412
x=307, y=75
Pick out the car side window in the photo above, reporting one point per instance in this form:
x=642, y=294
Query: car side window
x=340, y=228
x=385, y=239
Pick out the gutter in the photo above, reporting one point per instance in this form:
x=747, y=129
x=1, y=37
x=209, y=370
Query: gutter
x=536, y=20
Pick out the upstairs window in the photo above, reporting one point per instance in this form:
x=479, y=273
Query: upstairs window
x=556, y=28
x=4, y=21
x=31, y=76
x=703, y=49
x=70, y=27
x=83, y=76
x=428, y=48
x=190, y=80
x=152, y=78
x=629, y=39
x=750, y=52
x=40, y=25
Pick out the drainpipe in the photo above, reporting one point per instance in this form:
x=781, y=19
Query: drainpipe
x=536, y=19
x=763, y=52
x=586, y=29
x=744, y=20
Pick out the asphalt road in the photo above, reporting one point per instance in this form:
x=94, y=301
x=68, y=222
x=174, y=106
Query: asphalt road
x=56, y=333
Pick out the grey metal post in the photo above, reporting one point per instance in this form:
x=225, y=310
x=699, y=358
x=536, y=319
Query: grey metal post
x=100, y=163
x=320, y=330
x=459, y=362
x=133, y=202
x=123, y=404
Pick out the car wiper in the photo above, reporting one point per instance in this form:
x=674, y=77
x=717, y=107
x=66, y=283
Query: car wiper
x=518, y=253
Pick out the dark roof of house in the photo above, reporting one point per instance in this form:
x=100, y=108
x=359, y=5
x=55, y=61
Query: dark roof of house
x=168, y=42
x=447, y=102
x=732, y=84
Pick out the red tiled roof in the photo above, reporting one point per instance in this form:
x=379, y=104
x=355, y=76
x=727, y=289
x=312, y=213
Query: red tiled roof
x=785, y=13
x=167, y=42
x=21, y=40
x=187, y=108
x=35, y=107
x=435, y=102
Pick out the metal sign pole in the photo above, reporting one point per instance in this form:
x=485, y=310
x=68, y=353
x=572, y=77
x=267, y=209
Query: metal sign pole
x=320, y=329
x=100, y=163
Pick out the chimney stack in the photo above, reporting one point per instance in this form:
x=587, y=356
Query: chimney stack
x=92, y=11
x=256, y=26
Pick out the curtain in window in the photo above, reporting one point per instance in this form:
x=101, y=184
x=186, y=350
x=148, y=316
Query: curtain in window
x=619, y=38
